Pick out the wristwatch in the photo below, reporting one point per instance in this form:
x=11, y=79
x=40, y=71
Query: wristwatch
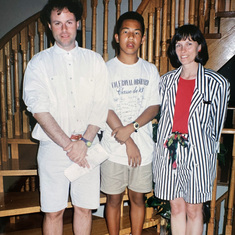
x=136, y=126
x=87, y=142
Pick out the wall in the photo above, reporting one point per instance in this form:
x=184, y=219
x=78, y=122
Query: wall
x=13, y=12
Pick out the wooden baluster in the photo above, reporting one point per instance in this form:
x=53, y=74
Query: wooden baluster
x=191, y=11
x=24, y=49
x=4, y=146
x=105, y=35
x=144, y=48
x=41, y=30
x=217, y=218
x=33, y=187
x=232, y=5
x=157, y=37
x=181, y=12
x=27, y=188
x=168, y=19
x=196, y=17
x=130, y=5
x=118, y=8
x=94, y=4
x=9, y=91
x=17, y=115
x=163, y=59
x=31, y=31
x=172, y=25
x=201, y=16
x=172, y=18
x=212, y=17
x=228, y=229
x=211, y=224
x=221, y=5
x=150, y=32
x=83, y=22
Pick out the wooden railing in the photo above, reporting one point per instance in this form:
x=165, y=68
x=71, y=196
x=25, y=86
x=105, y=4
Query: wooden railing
x=161, y=18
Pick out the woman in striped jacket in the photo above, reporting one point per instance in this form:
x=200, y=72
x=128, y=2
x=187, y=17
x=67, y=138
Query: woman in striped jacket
x=193, y=106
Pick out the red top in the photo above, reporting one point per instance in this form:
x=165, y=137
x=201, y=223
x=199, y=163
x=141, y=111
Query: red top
x=182, y=104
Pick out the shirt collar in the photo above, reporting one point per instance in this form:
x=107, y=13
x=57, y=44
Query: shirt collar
x=59, y=50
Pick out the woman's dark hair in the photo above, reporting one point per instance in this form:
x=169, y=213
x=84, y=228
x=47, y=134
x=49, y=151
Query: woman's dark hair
x=182, y=33
x=130, y=15
x=74, y=6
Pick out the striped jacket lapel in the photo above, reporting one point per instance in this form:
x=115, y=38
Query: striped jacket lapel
x=200, y=91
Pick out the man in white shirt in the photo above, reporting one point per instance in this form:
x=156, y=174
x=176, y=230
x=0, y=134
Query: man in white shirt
x=66, y=89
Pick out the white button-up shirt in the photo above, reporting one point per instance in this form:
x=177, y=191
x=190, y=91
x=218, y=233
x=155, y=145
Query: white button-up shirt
x=71, y=85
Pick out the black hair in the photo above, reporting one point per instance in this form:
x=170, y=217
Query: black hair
x=182, y=33
x=130, y=15
x=74, y=6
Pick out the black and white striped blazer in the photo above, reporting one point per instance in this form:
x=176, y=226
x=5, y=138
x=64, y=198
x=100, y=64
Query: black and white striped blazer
x=206, y=117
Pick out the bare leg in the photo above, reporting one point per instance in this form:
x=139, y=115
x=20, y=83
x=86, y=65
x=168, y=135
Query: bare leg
x=53, y=223
x=178, y=216
x=82, y=221
x=194, y=219
x=137, y=212
x=113, y=213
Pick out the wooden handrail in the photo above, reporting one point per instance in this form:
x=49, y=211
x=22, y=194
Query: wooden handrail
x=143, y=6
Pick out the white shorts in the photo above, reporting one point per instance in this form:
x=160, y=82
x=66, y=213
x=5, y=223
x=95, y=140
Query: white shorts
x=54, y=186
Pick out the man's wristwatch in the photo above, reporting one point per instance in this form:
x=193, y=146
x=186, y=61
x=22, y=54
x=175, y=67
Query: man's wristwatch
x=136, y=126
x=87, y=142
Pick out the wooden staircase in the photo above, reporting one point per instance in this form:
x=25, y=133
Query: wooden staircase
x=18, y=150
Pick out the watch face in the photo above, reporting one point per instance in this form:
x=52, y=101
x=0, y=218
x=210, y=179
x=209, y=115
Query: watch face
x=136, y=125
x=88, y=144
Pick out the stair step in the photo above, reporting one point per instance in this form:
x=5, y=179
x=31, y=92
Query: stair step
x=19, y=203
x=25, y=165
x=212, y=35
x=225, y=14
x=24, y=138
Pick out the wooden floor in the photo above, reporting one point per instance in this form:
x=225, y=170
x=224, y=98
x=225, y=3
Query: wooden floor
x=31, y=224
